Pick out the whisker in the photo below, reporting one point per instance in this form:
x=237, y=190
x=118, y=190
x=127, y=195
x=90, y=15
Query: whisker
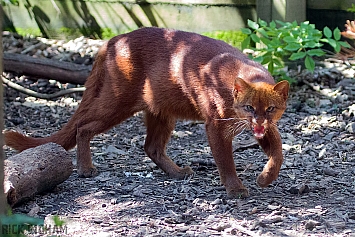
x=225, y=119
x=273, y=124
x=236, y=128
x=240, y=125
x=229, y=119
x=237, y=125
x=239, y=133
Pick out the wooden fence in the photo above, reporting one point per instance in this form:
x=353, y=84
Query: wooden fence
x=117, y=16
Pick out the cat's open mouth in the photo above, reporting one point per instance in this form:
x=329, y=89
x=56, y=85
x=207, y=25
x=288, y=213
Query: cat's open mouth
x=258, y=131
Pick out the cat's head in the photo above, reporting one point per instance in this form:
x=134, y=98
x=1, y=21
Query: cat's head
x=259, y=103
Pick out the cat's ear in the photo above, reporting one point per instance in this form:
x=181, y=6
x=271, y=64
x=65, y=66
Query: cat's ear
x=240, y=86
x=282, y=88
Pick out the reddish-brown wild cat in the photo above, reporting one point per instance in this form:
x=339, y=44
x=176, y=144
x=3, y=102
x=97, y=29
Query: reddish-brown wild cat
x=174, y=75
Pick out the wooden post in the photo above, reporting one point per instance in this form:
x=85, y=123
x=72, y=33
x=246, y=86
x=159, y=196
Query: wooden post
x=283, y=10
x=264, y=10
x=2, y=195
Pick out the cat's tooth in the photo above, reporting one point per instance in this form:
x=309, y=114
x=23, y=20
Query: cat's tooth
x=258, y=135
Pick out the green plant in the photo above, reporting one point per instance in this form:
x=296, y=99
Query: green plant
x=57, y=221
x=279, y=41
x=352, y=8
x=8, y=2
x=107, y=33
x=234, y=38
x=28, y=31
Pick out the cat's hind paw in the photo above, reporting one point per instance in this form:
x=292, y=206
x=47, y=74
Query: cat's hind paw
x=87, y=172
x=238, y=193
x=182, y=173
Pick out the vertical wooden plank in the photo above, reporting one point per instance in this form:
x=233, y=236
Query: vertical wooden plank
x=278, y=10
x=295, y=10
x=283, y=10
x=2, y=156
x=263, y=10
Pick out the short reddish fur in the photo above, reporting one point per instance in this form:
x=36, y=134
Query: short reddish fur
x=175, y=75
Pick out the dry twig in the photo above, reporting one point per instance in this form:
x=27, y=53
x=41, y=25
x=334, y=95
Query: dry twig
x=41, y=95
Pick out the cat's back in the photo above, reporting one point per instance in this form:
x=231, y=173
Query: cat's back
x=163, y=44
x=187, y=59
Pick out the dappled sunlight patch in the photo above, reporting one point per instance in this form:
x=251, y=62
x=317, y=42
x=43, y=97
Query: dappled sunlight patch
x=33, y=102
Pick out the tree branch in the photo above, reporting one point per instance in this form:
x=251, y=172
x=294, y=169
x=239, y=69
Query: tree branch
x=41, y=95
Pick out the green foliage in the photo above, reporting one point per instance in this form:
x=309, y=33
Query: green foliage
x=63, y=33
x=352, y=8
x=68, y=33
x=107, y=33
x=58, y=221
x=8, y=2
x=28, y=31
x=279, y=41
x=234, y=38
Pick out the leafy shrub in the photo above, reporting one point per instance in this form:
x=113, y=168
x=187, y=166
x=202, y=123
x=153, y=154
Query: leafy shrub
x=280, y=41
x=234, y=38
x=8, y=2
x=352, y=8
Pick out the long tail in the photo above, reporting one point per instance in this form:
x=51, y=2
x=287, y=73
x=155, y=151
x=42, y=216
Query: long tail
x=21, y=142
x=66, y=137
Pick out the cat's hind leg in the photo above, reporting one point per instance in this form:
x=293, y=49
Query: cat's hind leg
x=85, y=132
x=92, y=124
x=159, y=130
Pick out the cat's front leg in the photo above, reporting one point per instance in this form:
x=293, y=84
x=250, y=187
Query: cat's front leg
x=272, y=145
x=221, y=147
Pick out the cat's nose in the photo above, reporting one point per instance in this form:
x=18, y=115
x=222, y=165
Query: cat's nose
x=259, y=120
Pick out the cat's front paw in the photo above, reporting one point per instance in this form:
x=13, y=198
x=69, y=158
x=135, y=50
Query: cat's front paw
x=265, y=178
x=87, y=172
x=182, y=173
x=238, y=193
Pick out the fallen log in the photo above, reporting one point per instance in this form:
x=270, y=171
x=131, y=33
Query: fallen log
x=34, y=171
x=61, y=71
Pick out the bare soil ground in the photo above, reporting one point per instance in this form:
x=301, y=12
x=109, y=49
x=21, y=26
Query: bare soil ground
x=313, y=196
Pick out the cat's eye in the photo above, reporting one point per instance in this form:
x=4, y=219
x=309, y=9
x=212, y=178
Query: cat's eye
x=249, y=108
x=270, y=109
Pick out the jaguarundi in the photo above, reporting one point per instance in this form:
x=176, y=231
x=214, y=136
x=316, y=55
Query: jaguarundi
x=170, y=75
